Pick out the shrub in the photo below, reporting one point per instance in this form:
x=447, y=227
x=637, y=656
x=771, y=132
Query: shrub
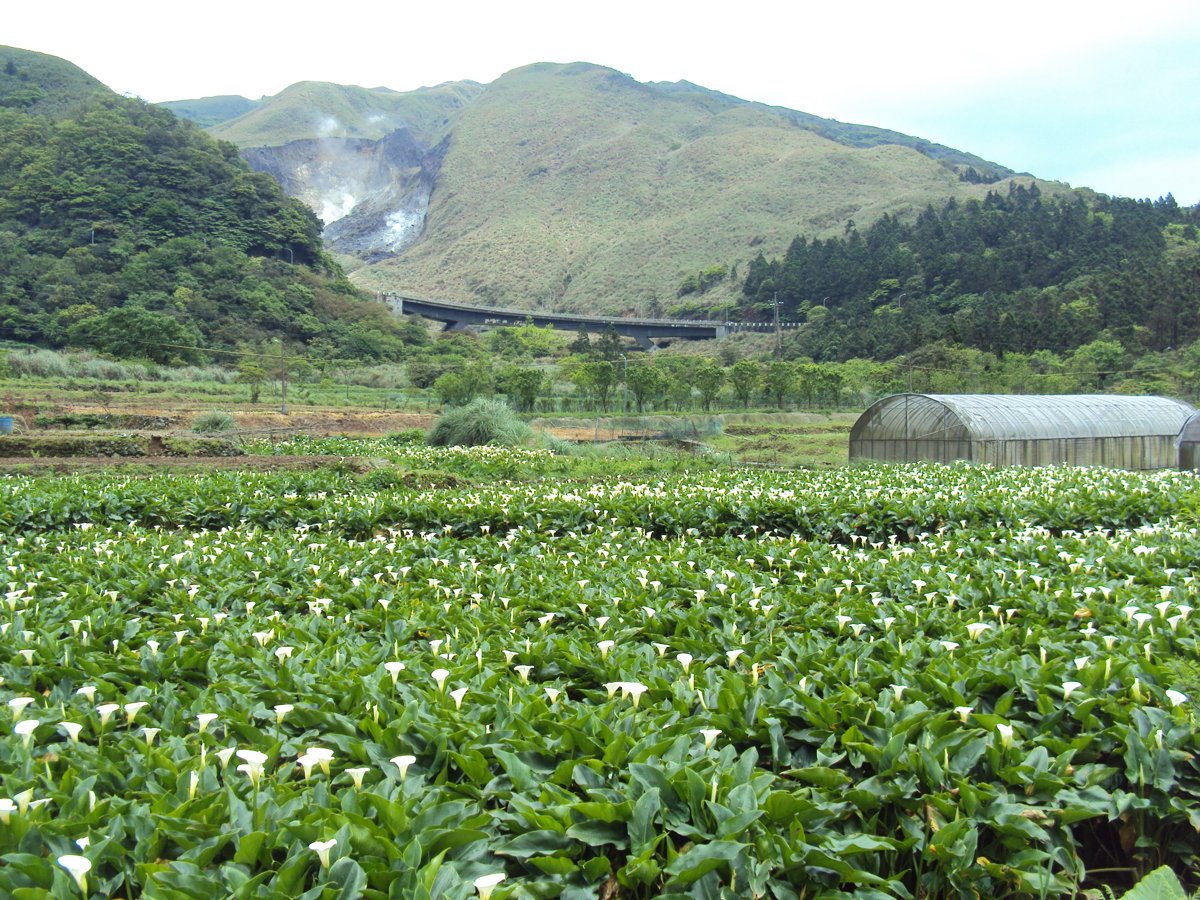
x=139, y=372
x=211, y=422
x=557, y=446
x=480, y=422
x=389, y=479
x=407, y=437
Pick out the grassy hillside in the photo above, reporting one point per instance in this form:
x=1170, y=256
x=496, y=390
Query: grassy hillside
x=209, y=111
x=576, y=187
x=46, y=85
x=313, y=109
x=850, y=134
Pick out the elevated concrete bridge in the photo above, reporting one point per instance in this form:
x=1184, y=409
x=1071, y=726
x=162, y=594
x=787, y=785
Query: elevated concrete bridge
x=644, y=331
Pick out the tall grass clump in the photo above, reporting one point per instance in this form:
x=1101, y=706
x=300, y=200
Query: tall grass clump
x=213, y=423
x=197, y=374
x=39, y=364
x=104, y=370
x=548, y=442
x=385, y=375
x=66, y=364
x=482, y=421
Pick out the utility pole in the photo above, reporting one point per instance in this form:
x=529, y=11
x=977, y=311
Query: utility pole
x=624, y=384
x=624, y=392
x=778, y=329
x=282, y=379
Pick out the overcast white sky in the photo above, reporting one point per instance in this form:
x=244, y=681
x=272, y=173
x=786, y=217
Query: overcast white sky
x=1097, y=94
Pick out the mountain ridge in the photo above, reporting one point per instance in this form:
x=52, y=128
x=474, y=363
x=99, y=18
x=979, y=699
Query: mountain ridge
x=850, y=134
x=345, y=111
x=573, y=186
x=43, y=84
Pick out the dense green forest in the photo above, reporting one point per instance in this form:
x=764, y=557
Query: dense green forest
x=1016, y=273
x=126, y=230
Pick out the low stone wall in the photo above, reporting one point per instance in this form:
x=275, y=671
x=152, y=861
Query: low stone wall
x=62, y=445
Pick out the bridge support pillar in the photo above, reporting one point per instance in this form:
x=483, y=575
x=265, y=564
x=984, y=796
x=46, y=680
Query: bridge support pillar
x=394, y=302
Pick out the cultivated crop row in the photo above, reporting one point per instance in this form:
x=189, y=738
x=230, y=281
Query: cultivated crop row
x=878, y=502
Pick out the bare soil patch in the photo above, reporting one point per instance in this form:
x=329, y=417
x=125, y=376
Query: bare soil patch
x=354, y=423
x=248, y=424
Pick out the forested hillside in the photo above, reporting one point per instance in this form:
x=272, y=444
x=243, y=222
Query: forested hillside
x=127, y=230
x=1015, y=272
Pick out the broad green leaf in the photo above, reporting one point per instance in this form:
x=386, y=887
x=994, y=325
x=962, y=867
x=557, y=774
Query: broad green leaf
x=598, y=834
x=249, y=846
x=533, y=843
x=701, y=859
x=1161, y=884
x=349, y=878
x=821, y=776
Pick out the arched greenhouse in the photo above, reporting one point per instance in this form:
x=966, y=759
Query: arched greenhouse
x=1188, y=444
x=1023, y=430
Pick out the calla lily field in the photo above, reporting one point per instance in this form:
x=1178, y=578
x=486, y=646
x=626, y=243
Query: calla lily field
x=528, y=682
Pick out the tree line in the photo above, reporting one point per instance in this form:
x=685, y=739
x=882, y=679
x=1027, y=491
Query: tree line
x=1015, y=272
x=537, y=371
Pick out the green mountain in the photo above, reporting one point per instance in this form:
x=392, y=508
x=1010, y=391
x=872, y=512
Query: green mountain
x=208, y=111
x=128, y=230
x=41, y=84
x=576, y=187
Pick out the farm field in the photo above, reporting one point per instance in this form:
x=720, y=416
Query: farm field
x=597, y=679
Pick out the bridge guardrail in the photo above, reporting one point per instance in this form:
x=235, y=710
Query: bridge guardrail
x=490, y=315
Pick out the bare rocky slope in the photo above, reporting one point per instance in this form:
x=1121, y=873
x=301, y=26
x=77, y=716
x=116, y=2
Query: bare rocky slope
x=373, y=195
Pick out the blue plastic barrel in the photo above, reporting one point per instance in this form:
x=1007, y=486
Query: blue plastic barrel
x=6, y=424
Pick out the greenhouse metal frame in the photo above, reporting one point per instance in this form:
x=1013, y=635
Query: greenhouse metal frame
x=1024, y=430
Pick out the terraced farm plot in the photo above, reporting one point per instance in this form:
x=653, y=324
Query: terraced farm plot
x=878, y=682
